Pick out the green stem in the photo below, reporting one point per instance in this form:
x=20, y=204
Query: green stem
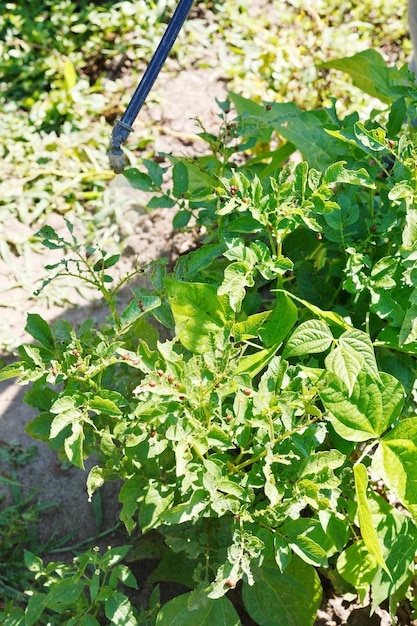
x=87, y=541
x=262, y=454
x=366, y=451
x=99, y=284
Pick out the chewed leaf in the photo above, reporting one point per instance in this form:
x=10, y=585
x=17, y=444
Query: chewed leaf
x=308, y=338
x=337, y=173
x=73, y=445
x=12, y=370
x=237, y=276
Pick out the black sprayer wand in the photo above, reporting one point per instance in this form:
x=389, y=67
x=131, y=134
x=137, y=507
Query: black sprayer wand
x=123, y=127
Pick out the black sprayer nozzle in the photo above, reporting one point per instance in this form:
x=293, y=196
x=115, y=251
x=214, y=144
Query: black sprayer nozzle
x=123, y=126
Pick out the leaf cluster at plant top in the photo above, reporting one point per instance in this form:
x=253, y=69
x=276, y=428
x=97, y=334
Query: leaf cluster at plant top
x=272, y=436
x=64, y=68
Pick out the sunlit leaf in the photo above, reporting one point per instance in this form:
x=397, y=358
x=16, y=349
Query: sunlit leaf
x=368, y=411
x=295, y=595
x=366, y=523
x=395, y=462
x=177, y=612
x=308, y=338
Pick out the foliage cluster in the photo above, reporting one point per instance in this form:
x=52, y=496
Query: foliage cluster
x=63, y=78
x=270, y=441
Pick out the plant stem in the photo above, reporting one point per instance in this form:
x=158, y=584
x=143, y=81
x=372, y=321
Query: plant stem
x=89, y=540
x=261, y=455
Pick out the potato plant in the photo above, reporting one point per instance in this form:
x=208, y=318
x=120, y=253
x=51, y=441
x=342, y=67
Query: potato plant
x=270, y=442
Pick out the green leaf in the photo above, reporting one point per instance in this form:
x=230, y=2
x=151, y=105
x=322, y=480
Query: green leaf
x=408, y=330
x=13, y=370
x=306, y=130
x=155, y=171
x=358, y=567
x=63, y=404
x=250, y=327
x=361, y=343
x=32, y=353
x=139, y=180
x=114, y=556
x=308, y=539
x=337, y=173
x=89, y=620
x=70, y=75
x=398, y=535
x=330, y=317
x=369, y=72
x=373, y=140
x=73, y=446
x=283, y=318
x=176, y=567
x=50, y=238
x=129, y=496
x=217, y=437
x=64, y=592
x=180, y=179
x=308, y=338
x=161, y=202
x=368, y=411
x=295, y=595
x=181, y=219
x=104, y=405
x=388, y=338
x=252, y=364
x=198, y=175
x=396, y=117
x=309, y=551
x=36, y=605
x=177, y=612
x=401, y=189
x=33, y=562
x=154, y=503
x=315, y=463
x=186, y=511
x=346, y=364
x=198, y=312
x=62, y=420
x=234, y=489
x=410, y=228
x=395, y=462
x=110, y=261
x=237, y=276
x=119, y=610
x=191, y=264
x=41, y=399
x=123, y=574
x=95, y=480
x=39, y=428
x=366, y=524
x=39, y=329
